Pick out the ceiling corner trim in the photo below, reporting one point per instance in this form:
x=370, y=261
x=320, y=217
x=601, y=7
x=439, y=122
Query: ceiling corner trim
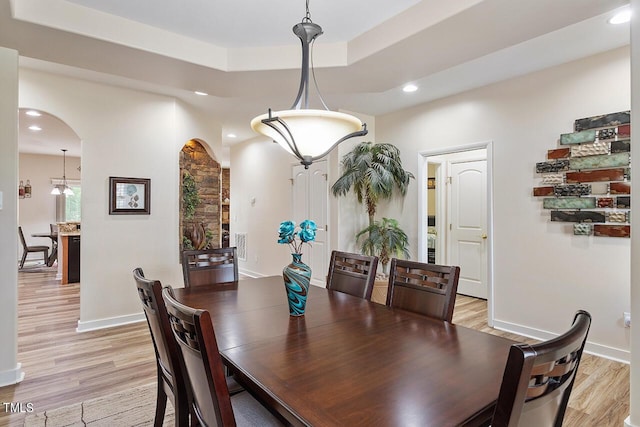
x=65, y=16
x=410, y=22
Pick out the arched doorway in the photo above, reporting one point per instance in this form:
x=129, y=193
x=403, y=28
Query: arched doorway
x=200, y=197
x=42, y=137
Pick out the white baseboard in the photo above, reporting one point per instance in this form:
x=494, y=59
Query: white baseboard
x=12, y=376
x=250, y=273
x=611, y=353
x=109, y=322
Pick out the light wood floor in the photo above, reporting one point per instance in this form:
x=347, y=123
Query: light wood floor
x=64, y=367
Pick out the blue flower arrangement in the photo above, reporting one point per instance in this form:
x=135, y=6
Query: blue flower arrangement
x=305, y=233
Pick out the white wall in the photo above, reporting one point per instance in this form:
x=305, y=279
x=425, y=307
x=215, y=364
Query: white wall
x=128, y=134
x=260, y=171
x=542, y=272
x=10, y=371
x=635, y=206
x=37, y=212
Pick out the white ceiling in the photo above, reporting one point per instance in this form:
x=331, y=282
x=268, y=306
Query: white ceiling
x=244, y=55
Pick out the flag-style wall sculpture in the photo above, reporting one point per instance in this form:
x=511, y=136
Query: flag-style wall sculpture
x=585, y=181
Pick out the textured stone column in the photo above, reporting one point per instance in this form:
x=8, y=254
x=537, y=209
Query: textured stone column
x=207, y=174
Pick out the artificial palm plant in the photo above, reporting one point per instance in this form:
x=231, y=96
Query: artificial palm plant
x=385, y=240
x=375, y=172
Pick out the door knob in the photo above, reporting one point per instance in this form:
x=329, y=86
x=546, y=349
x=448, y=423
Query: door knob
x=484, y=235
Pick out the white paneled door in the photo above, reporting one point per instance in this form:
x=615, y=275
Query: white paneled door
x=468, y=225
x=310, y=198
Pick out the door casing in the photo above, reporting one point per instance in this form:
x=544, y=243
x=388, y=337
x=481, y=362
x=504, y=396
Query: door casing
x=423, y=159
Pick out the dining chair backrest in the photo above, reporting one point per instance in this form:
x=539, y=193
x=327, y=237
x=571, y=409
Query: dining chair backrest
x=209, y=266
x=353, y=274
x=26, y=249
x=193, y=331
x=170, y=379
x=538, y=379
x=428, y=289
x=22, y=240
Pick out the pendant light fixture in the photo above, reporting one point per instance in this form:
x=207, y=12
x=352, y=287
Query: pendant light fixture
x=63, y=188
x=309, y=134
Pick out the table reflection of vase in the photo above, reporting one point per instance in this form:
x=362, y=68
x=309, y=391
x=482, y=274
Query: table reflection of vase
x=297, y=276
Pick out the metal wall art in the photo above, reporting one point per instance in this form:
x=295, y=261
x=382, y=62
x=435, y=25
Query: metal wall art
x=585, y=181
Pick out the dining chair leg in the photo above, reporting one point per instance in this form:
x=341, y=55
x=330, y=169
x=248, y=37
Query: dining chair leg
x=24, y=258
x=161, y=405
x=54, y=255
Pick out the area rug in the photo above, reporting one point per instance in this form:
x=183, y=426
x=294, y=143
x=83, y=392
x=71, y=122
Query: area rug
x=135, y=407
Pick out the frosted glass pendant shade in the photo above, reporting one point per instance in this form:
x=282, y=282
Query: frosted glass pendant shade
x=315, y=132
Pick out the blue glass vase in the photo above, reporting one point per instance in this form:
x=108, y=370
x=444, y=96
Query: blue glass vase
x=297, y=276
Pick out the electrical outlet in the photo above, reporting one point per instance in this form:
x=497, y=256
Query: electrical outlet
x=627, y=319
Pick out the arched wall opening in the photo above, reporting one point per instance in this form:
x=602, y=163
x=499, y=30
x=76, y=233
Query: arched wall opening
x=200, y=197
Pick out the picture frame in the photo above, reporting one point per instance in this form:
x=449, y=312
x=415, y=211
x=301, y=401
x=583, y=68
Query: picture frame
x=129, y=196
x=431, y=183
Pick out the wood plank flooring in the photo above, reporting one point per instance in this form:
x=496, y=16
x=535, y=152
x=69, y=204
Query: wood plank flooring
x=64, y=367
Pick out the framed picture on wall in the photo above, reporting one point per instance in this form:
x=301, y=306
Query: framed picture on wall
x=431, y=183
x=129, y=196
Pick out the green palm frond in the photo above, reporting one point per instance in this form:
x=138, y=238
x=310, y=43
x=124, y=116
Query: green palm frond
x=373, y=171
x=384, y=239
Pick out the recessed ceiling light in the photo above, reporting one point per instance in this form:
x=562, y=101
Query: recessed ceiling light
x=33, y=113
x=197, y=92
x=232, y=135
x=621, y=17
x=35, y=128
x=410, y=88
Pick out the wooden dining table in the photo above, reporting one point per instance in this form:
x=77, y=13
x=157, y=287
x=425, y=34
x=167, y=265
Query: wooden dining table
x=349, y=361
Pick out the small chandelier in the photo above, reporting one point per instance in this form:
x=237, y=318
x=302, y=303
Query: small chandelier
x=63, y=188
x=309, y=134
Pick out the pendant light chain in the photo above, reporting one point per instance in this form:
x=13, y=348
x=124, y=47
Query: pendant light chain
x=307, y=17
x=64, y=167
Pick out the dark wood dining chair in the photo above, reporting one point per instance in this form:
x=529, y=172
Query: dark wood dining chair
x=209, y=266
x=210, y=400
x=353, y=274
x=26, y=249
x=538, y=379
x=168, y=361
x=428, y=289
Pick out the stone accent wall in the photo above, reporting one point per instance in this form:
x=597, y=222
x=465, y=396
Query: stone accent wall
x=226, y=198
x=207, y=174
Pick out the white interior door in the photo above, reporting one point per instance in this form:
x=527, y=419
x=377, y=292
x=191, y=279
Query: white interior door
x=468, y=225
x=310, y=199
